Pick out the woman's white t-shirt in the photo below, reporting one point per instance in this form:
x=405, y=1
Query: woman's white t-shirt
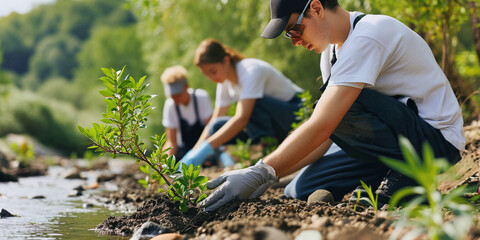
x=392, y=59
x=256, y=78
x=170, y=116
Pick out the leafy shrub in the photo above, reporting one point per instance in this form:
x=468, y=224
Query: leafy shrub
x=24, y=152
x=127, y=111
x=48, y=121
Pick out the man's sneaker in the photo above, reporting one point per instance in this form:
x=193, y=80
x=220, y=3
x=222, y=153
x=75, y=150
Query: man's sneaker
x=390, y=184
x=363, y=200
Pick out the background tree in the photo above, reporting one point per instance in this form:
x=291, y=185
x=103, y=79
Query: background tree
x=55, y=56
x=113, y=47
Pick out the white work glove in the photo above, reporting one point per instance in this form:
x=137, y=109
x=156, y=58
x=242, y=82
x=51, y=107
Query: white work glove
x=240, y=184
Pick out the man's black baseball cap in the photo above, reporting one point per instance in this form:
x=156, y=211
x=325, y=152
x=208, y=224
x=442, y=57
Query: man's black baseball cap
x=280, y=13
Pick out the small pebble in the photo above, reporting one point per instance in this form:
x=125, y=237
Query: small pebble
x=38, y=197
x=168, y=236
x=320, y=195
x=309, y=235
x=269, y=233
x=149, y=230
x=87, y=205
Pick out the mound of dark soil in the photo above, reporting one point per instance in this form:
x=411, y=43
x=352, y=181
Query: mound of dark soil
x=243, y=218
x=249, y=219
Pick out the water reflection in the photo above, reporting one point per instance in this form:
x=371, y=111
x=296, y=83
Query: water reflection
x=56, y=216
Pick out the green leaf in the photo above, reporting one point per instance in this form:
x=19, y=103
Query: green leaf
x=107, y=121
x=170, y=193
x=106, y=93
x=184, y=168
x=183, y=181
x=201, y=197
x=140, y=81
x=409, y=153
x=190, y=171
x=109, y=73
x=126, y=84
x=196, y=172
x=200, y=180
x=404, y=192
x=183, y=207
x=398, y=166
x=161, y=190
x=82, y=130
x=145, y=169
x=171, y=162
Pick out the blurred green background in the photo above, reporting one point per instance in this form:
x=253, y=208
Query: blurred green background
x=51, y=56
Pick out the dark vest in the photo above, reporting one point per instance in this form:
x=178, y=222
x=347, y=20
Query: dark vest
x=190, y=133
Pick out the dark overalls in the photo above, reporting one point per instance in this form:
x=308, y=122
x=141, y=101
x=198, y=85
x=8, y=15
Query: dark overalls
x=190, y=133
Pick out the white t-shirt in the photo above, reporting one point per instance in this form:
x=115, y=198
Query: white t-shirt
x=170, y=117
x=392, y=59
x=256, y=78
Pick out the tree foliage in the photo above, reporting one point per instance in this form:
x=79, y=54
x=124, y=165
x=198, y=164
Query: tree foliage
x=109, y=46
x=127, y=112
x=55, y=57
x=20, y=35
x=173, y=29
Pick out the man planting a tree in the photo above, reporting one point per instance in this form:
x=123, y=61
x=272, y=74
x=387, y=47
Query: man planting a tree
x=381, y=81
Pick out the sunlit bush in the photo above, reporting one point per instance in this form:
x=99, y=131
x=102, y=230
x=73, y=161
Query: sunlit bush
x=49, y=121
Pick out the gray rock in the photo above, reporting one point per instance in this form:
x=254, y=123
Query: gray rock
x=75, y=193
x=309, y=235
x=73, y=173
x=149, y=230
x=4, y=160
x=87, y=205
x=38, y=197
x=4, y=214
x=320, y=195
x=5, y=177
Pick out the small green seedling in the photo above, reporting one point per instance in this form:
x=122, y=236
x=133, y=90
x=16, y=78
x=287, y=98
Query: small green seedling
x=425, y=213
x=372, y=200
x=189, y=186
x=24, y=153
x=127, y=111
x=358, y=200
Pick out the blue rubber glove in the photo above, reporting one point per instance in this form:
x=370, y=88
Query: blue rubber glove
x=226, y=160
x=240, y=184
x=198, y=155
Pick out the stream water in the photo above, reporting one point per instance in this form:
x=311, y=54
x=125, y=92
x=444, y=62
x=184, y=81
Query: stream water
x=56, y=215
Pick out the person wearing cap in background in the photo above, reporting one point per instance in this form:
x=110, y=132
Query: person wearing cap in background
x=185, y=113
x=381, y=81
x=266, y=99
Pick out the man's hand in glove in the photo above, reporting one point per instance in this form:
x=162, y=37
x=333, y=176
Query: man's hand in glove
x=240, y=184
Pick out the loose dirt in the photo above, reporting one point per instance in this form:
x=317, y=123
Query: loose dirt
x=260, y=218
